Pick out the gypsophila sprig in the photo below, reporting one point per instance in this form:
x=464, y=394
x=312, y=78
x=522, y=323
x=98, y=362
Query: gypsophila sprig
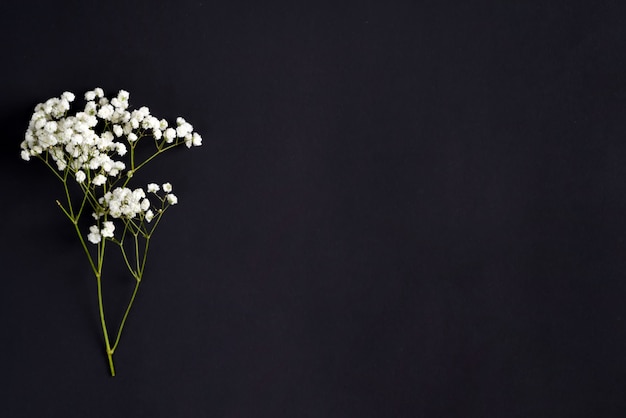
x=96, y=149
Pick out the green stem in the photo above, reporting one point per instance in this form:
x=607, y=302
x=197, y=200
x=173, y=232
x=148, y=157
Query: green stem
x=107, y=345
x=145, y=256
x=130, y=305
x=134, y=169
x=54, y=171
x=137, y=253
x=84, y=245
x=130, y=268
x=69, y=199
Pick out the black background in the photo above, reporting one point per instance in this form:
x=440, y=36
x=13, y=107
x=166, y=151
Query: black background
x=398, y=211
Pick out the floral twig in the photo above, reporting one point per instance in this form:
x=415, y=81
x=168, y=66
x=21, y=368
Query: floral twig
x=90, y=147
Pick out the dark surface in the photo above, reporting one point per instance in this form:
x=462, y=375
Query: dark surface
x=398, y=211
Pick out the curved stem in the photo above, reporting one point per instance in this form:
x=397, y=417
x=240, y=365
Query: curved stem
x=107, y=345
x=82, y=241
x=128, y=266
x=130, y=305
x=145, y=257
x=147, y=160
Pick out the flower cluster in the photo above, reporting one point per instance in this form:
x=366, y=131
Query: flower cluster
x=90, y=142
x=124, y=202
x=72, y=141
x=90, y=145
x=128, y=204
x=95, y=234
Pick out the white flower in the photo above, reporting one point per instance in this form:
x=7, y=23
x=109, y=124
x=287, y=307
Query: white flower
x=118, y=130
x=107, y=231
x=69, y=96
x=153, y=188
x=50, y=127
x=149, y=215
x=123, y=95
x=196, y=140
x=121, y=149
x=40, y=122
x=91, y=108
x=99, y=180
x=150, y=122
x=183, y=129
x=99, y=92
x=169, y=135
x=80, y=176
x=172, y=199
x=107, y=164
x=167, y=187
x=25, y=155
x=116, y=103
x=138, y=193
x=90, y=95
x=106, y=112
x=117, y=167
x=143, y=112
x=132, y=137
x=94, y=235
x=145, y=205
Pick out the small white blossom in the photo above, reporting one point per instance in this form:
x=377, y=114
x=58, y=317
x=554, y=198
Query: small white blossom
x=123, y=95
x=99, y=180
x=25, y=155
x=183, y=129
x=196, y=140
x=116, y=103
x=167, y=187
x=169, y=135
x=153, y=188
x=50, y=127
x=106, y=112
x=69, y=96
x=149, y=215
x=94, y=235
x=132, y=137
x=121, y=149
x=107, y=230
x=118, y=130
x=107, y=164
x=80, y=176
x=172, y=199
